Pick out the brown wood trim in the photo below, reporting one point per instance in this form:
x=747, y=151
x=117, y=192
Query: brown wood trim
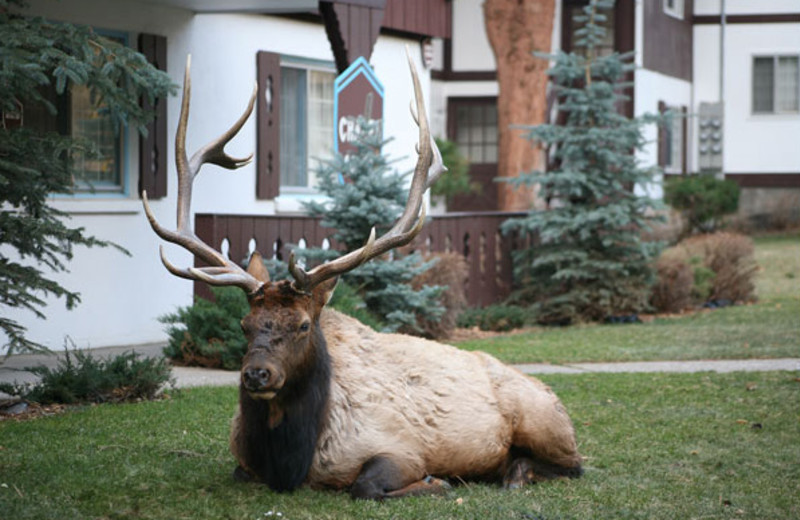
x=464, y=75
x=765, y=180
x=268, y=127
x=747, y=18
x=153, y=148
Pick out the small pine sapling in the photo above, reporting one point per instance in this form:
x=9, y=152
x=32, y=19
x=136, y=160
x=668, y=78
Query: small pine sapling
x=590, y=261
x=363, y=192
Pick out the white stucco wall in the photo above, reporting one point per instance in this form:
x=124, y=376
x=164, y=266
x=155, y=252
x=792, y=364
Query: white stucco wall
x=471, y=50
x=122, y=297
x=763, y=143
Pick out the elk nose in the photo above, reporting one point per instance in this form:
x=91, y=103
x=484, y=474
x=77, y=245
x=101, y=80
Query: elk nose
x=255, y=378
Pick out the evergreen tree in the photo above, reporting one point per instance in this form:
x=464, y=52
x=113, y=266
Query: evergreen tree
x=590, y=262
x=364, y=191
x=35, y=238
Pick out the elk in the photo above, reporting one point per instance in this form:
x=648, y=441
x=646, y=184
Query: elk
x=327, y=402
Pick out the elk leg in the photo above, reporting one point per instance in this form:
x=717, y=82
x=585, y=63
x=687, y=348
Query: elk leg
x=382, y=477
x=526, y=470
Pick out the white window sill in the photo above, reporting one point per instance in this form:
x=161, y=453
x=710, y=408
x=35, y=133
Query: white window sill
x=97, y=205
x=291, y=200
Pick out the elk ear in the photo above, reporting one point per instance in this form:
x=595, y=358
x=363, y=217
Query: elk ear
x=257, y=269
x=323, y=293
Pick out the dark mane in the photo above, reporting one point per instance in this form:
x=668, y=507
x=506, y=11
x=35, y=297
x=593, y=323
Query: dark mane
x=281, y=456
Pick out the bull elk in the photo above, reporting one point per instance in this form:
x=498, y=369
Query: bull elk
x=326, y=401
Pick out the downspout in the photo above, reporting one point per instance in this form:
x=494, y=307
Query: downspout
x=722, y=83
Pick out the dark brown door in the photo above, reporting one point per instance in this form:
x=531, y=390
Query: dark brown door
x=472, y=125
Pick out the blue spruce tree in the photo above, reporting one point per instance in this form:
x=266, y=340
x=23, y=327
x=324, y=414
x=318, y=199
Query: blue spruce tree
x=364, y=191
x=590, y=261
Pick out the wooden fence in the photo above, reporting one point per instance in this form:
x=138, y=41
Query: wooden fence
x=474, y=235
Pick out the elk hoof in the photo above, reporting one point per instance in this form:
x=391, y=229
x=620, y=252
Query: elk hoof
x=519, y=474
x=240, y=475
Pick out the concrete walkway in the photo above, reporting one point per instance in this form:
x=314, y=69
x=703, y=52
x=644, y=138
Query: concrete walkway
x=12, y=369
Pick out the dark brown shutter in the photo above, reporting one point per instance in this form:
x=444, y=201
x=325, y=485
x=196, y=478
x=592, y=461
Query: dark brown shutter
x=153, y=147
x=662, y=136
x=268, y=176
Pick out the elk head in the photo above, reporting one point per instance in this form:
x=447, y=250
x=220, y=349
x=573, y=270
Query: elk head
x=285, y=343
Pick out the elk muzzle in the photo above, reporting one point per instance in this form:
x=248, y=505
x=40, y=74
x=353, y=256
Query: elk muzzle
x=261, y=379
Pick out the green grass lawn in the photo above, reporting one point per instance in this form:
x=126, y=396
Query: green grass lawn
x=657, y=446
x=767, y=329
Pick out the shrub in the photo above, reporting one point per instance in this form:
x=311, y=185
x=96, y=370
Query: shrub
x=498, y=318
x=209, y=334
x=703, y=199
x=456, y=180
x=719, y=267
x=347, y=300
x=81, y=378
x=449, y=272
x=731, y=257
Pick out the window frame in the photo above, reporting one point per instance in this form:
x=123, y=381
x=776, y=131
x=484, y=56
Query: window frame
x=666, y=142
x=86, y=190
x=775, y=87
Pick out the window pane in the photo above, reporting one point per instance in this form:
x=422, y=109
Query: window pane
x=490, y=153
x=88, y=122
x=787, y=84
x=462, y=126
x=320, y=120
x=763, y=84
x=476, y=153
x=293, y=127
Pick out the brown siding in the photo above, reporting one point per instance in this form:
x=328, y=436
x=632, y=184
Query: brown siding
x=268, y=172
x=668, y=41
x=420, y=17
x=748, y=18
x=352, y=30
x=153, y=147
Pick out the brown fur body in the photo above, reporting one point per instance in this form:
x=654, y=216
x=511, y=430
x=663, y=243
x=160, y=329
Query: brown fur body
x=430, y=408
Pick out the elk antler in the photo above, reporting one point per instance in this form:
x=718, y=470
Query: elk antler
x=429, y=167
x=221, y=270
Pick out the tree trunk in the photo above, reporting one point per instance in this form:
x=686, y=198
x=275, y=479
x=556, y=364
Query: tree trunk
x=517, y=28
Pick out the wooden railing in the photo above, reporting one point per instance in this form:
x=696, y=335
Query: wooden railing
x=476, y=236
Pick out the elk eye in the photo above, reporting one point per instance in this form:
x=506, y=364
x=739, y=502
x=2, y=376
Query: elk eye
x=304, y=326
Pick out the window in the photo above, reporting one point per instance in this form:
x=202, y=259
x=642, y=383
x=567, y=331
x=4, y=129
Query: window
x=306, y=123
x=674, y=8
x=476, y=131
x=472, y=125
x=776, y=84
x=81, y=118
x=672, y=139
